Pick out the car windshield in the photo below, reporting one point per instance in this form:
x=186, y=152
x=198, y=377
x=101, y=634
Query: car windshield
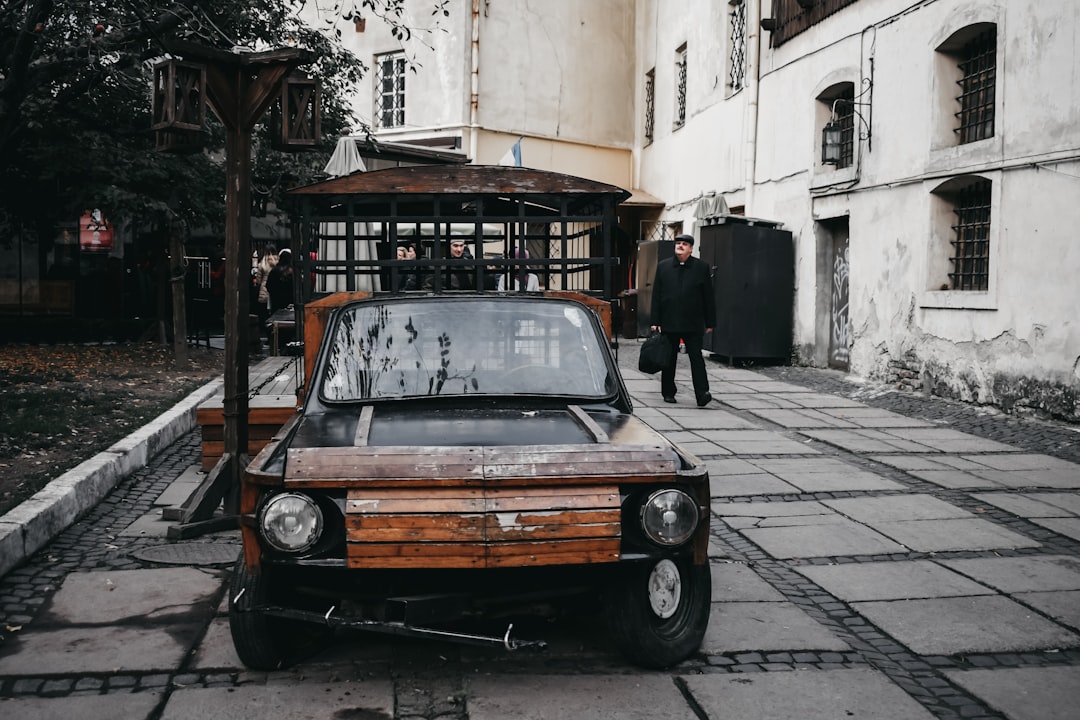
x=466, y=346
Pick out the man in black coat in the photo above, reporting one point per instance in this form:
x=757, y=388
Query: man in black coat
x=683, y=306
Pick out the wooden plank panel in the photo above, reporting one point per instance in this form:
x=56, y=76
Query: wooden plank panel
x=462, y=499
x=465, y=555
x=440, y=504
x=425, y=529
x=414, y=528
x=426, y=555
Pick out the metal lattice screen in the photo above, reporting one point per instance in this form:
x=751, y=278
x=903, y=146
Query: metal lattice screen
x=978, y=68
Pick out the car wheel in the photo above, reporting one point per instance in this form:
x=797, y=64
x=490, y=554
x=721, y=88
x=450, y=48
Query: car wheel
x=657, y=611
x=265, y=642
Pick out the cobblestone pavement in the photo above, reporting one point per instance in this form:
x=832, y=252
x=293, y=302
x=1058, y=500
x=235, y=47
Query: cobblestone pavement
x=857, y=536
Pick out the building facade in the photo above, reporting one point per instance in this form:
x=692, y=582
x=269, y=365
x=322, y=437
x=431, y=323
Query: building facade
x=925, y=155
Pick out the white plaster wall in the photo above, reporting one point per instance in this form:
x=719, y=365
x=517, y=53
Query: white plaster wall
x=1025, y=325
x=707, y=153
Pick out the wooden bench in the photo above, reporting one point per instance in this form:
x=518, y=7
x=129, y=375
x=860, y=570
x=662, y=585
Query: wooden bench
x=272, y=400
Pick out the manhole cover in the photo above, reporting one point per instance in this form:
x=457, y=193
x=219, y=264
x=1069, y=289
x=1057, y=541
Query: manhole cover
x=190, y=554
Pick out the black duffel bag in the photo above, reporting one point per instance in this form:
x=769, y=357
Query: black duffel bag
x=655, y=354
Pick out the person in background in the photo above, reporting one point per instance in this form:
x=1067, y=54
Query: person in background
x=266, y=263
x=279, y=284
x=453, y=278
x=408, y=276
x=683, y=306
x=532, y=283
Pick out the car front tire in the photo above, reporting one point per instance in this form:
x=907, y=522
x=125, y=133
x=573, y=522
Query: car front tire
x=262, y=641
x=657, y=611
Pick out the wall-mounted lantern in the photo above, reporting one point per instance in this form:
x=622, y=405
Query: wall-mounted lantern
x=832, y=135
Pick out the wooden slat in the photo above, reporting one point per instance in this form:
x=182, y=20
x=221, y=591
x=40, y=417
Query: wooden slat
x=466, y=500
x=479, y=528
x=363, y=426
x=471, y=555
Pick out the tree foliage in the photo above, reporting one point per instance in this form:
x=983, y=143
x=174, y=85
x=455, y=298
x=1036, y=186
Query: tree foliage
x=75, y=103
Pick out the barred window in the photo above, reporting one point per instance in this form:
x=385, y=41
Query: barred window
x=390, y=90
x=650, y=106
x=978, y=71
x=970, y=259
x=737, y=55
x=680, y=87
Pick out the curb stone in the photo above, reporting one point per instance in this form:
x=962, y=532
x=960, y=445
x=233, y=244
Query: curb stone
x=30, y=525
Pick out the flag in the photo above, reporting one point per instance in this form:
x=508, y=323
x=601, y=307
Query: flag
x=512, y=158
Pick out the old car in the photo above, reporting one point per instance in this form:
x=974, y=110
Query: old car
x=462, y=460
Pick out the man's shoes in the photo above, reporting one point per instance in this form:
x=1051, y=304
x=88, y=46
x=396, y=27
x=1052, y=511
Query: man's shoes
x=704, y=400
x=669, y=398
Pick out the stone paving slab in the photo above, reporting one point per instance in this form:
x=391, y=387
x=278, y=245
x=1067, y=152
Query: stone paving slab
x=866, y=441
x=216, y=650
x=741, y=485
x=765, y=627
x=299, y=701
x=807, y=541
x=750, y=401
x=119, y=595
x=762, y=384
x=817, y=400
x=950, y=441
x=953, y=534
x=732, y=466
x=904, y=580
x=757, y=442
x=873, y=417
x=704, y=449
x=950, y=626
x=895, y=507
x=152, y=524
x=1032, y=505
x=1046, y=693
x=954, y=479
x=1048, y=478
x=801, y=418
x=806, y=695
x=633, y=697
x=1020, y=574
x=733, y=582
x=98, y=649
x=708, y=418
x=1061, y=605
x=1069, y=527
x=846, y=481
x=181, y=488
x=765, y=509
x=1025, y=461
x=126, y=705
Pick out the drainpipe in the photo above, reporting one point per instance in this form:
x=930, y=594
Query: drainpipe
x=750, y=121
x=474, y=82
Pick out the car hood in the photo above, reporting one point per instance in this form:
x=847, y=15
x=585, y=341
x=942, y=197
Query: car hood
x=387, y=425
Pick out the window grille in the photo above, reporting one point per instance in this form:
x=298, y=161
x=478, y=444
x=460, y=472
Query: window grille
x=680, y=87
x=737, y=56
x=845, y=118
x=650, y=107
x=971, y=244
x=978, y=70
x=390, y=90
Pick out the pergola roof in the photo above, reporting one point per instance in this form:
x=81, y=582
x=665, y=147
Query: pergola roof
x=461, y=180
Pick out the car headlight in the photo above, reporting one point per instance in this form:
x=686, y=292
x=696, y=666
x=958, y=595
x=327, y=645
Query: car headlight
x=669, y=517
x=291, y=522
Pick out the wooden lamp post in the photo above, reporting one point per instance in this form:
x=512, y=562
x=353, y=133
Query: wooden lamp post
x=239, y=87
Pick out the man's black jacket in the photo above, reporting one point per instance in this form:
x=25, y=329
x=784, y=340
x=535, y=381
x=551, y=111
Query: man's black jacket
x=682, y=296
